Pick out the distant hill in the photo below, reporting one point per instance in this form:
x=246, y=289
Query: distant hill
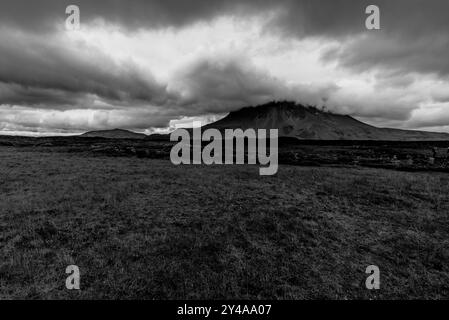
x=114, y=134
x=301, y=122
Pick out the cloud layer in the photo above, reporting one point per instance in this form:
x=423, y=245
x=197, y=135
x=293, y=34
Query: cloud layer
x=140, y=64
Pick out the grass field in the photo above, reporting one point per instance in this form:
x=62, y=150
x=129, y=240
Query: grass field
x=143, y=228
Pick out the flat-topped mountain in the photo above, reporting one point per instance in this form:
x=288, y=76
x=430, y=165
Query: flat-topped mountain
x=295, y=121
x=114, y=134
x=298, y=121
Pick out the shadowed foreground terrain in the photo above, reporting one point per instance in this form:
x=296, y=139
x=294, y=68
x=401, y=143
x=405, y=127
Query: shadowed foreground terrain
x=144, y=228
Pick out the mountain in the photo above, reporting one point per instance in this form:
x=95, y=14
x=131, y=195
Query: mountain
x=114, y=134
x=301, y=122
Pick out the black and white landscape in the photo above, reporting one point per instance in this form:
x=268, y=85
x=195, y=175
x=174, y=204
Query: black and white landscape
x=93, y=206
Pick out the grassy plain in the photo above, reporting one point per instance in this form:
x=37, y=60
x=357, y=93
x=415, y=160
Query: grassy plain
x=144, y=228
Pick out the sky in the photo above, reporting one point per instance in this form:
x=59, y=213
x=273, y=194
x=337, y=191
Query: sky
x=150, y=66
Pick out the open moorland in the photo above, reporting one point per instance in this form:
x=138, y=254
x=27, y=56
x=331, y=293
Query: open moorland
x=139, y=227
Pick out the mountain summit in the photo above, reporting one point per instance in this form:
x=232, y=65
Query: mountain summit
x=294, y=120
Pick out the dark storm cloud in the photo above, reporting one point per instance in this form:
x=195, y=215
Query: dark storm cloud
x=414, y=33
x=15, y=94
x=219, y=84
x=414, y=37
x=132, y=14
x=41, y=69
x=305, y=17
x=224, y=79
x=426, y=54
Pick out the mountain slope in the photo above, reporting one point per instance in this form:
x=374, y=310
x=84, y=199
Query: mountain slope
x=114, y=134
x=302, y=122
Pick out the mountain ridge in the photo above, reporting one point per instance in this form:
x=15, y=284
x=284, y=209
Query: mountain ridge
x=114, y=134
x=293, y=121
x=310, y=123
